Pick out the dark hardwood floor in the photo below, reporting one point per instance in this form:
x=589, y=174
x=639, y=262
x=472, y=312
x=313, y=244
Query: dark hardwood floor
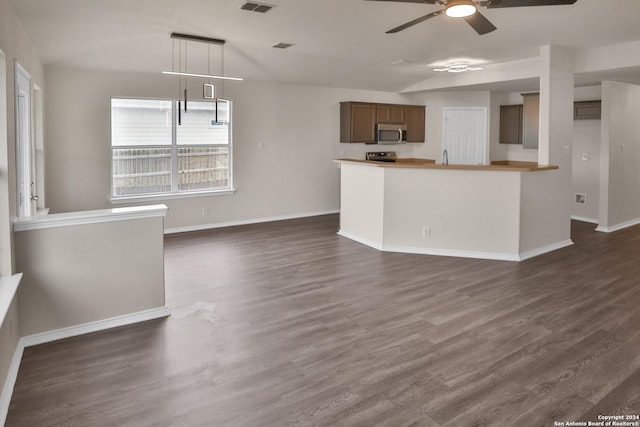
x=287, y=323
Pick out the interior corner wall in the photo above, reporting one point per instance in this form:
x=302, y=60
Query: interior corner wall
x=620, y=155
x=285, y=138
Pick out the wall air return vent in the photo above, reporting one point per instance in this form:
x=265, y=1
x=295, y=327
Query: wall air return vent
x=282, y=45
x=256, y=7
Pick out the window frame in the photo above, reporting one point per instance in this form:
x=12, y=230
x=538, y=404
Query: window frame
x=175, y=193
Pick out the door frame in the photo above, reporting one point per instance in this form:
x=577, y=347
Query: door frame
x=24, y=142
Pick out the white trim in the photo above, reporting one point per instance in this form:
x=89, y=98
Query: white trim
x=616, y=227
x=72, y=331
x=498, y=256
x=544, y=249
x=370, y=243
x=8, y=288
x=99, y=325
x=169, y=196
x=584, y=219
x=89, y=217
x=200, y=227
x=10, y=382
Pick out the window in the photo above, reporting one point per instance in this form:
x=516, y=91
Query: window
x=153, y=154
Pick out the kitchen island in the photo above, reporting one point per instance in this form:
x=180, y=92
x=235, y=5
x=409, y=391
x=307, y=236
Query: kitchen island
x=499, y=211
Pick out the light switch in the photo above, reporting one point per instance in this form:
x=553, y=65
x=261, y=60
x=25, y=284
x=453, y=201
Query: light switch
x=585, y=156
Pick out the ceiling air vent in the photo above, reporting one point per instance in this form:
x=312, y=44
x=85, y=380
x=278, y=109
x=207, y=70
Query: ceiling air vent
x=256, y=7
x=282, y=45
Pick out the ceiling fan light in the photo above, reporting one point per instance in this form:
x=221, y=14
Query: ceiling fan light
x=460, y=10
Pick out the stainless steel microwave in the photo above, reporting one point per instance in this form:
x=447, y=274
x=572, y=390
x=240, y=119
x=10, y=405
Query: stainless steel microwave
x=391, y=134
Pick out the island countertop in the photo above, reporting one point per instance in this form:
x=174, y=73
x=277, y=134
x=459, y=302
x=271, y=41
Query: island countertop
x=416, y=163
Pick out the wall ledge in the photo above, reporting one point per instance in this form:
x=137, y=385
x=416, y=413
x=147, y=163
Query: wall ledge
x=67, y=219
x=8, y=289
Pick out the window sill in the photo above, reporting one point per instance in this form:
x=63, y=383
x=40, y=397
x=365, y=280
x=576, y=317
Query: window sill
x=161, y=197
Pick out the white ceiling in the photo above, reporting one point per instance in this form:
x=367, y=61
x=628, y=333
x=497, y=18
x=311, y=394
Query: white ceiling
x=340, y=43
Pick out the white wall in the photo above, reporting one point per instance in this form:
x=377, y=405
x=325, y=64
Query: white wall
x=620, y=155
x=585, y=167
x=14, y=45
x=292, y=174
x=84, y=273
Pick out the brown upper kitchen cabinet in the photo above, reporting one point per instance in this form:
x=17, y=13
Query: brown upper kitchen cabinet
x=415, y=123
x=390, y=114
x=511, y=124
x=357, y=122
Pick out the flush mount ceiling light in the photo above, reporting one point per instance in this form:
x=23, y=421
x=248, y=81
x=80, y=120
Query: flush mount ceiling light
x=460, y=8
x=458, y=68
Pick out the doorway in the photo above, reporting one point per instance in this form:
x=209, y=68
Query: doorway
x=24, y=144
x=465, y=135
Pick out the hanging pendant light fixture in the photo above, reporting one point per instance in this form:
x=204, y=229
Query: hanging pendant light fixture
x=200, y=39
x=208, y=89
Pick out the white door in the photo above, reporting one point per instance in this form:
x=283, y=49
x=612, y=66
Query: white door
x=465, y=135
x=24, y=143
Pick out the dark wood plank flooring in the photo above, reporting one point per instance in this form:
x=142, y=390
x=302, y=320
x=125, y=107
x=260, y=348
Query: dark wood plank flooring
x=287, y=323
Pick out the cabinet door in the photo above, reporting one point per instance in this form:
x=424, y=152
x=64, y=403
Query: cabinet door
x=363, y=123
x=397, y=115
x=531, y=117
x=415, y=117
x=390, y=114
x=511, y=124
x=383, y=114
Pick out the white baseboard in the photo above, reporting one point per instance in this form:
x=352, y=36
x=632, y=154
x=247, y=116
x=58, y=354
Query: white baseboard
x=100, y=325
x=10, y=382
x=200, y=227
x=544, y=249
x=616, y=227
x=584, y=219
x=498, y=256
x=366, y=242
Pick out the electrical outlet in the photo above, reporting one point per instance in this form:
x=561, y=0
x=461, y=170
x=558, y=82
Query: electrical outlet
x=426, y=232
x=205, y=211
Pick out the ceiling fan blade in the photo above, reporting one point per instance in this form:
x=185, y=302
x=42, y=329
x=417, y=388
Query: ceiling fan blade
x=493, y=4
x=479, y=23
x=409, y=1
x=415, y=21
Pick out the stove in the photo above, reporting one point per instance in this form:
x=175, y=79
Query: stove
x=381, y=156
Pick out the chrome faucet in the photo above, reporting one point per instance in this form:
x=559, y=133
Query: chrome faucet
x=445, y=157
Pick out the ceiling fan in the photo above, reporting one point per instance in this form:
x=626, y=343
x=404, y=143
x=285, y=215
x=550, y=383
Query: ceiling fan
x=468, y=9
